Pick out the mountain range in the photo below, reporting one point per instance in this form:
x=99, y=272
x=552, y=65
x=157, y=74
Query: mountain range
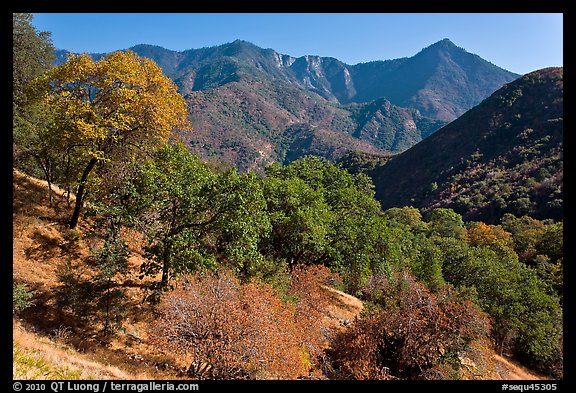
x=251, y=106
x=503, y=156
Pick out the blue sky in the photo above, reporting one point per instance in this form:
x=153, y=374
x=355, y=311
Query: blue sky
x=518, y=42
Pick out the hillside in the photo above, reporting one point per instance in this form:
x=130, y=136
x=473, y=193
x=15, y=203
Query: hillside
x=48, y=344
x=442, y=81
x=256, y=122
x=37, y=357
x=503, y=156
x=245, y=100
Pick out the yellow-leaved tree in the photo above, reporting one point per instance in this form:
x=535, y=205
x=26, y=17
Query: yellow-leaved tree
x=112, y=110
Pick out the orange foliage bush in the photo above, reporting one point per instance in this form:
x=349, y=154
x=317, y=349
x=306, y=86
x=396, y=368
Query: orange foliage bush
x=413, y=331
x=240, y=330
x=307, y=284
x=481, y=234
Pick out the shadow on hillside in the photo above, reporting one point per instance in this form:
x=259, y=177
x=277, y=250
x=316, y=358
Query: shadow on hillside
x=30, y=199
x=75, y=305
x=44, y=246
x=45, y=319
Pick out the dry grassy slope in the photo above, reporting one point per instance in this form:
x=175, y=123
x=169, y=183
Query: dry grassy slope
x=40, y=248
x=39, y=357
x=47, y=344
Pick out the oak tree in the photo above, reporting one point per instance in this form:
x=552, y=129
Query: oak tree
x=113, y=109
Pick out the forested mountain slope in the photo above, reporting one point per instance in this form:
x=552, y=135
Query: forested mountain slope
x=503, y=156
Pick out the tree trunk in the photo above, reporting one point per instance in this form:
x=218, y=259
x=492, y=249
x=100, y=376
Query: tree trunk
x=50, y=192
x=167, y=256
x=68, y=195
x=166, y=263
x=107, y=318
x=46, y=166
x=80, y=193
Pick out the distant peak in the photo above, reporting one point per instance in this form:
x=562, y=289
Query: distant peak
x=442, y=45
x=445, y=43
x=147, y=46
x=240, y=42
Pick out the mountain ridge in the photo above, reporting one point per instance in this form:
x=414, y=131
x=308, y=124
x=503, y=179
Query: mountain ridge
x=320, y=73
x=503, y=156
x=242, y=97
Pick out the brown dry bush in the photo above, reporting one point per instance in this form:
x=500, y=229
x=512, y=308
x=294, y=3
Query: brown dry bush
x=240, y=330
x=307, y=284
x=411, y=335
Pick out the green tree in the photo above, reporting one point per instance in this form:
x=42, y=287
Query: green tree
x=419, y=252
x=426, y=263
x=21, y=297
x=539, y=245
x=527, y=318
x=39, y=150
x=300, y=219
x=446, y=223
x=111, y=260
x=113, y=109
x=92, y=291
x=237, y=221
x=321, y=214
x=526, y=232
x=34, y=146
x=552, y=242
x=550, y=260
x=194, y=218
x=169, y=205
x=32, y=54
x=406, y=215
x=110, y=216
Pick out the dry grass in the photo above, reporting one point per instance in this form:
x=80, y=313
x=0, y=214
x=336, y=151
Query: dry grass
x=37, y=357
x=480, y=361
x=342, y=312
x=41, y=244
x=515, y=371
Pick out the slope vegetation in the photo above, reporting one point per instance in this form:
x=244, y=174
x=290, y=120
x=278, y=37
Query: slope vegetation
x=503, y=156
x=48, y=344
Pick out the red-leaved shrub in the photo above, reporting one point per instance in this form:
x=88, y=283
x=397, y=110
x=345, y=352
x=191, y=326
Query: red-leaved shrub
x=239, y=330
x=307, y=284
x=412, y=331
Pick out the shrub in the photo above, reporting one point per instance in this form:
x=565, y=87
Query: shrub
x=21, y=298
x=307, y=284
x=238, y=329
x=75, y=292
x=413, y=333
